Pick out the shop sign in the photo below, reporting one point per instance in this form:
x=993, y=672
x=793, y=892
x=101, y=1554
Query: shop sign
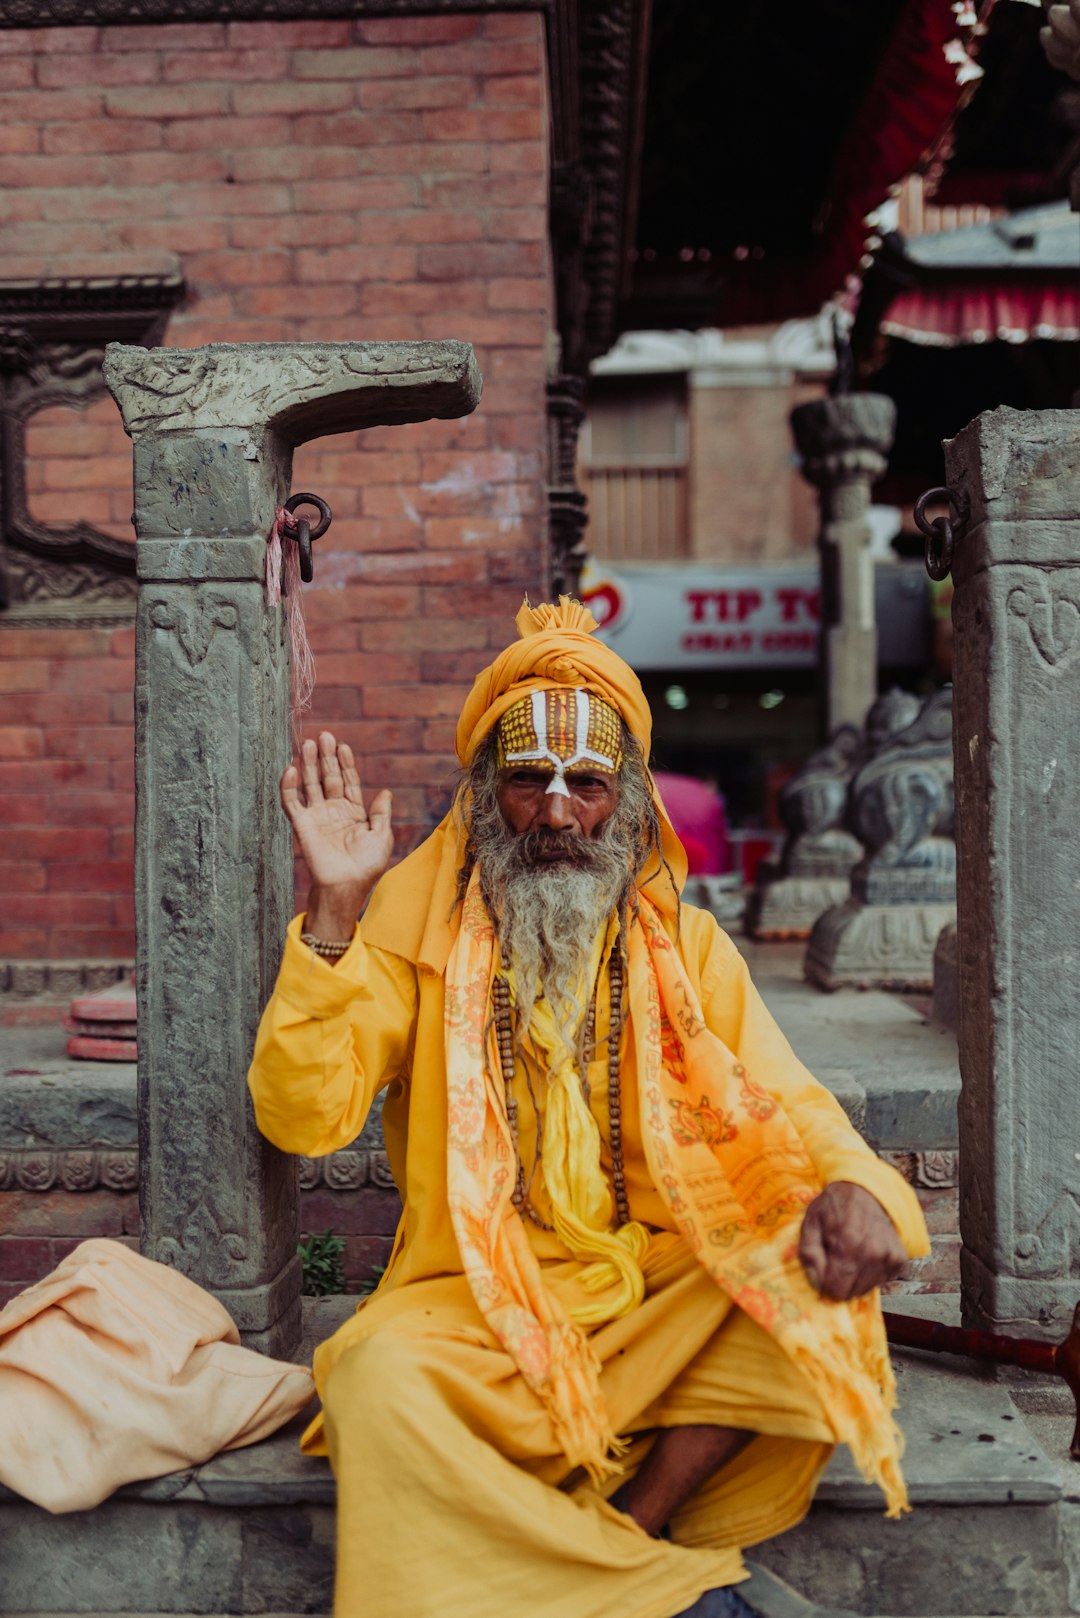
x=705, y=617
x=684, y=618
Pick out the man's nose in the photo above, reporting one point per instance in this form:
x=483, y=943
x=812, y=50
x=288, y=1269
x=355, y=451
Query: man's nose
x=556, y=811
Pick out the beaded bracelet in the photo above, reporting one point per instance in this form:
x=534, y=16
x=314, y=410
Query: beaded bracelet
x=325, y=947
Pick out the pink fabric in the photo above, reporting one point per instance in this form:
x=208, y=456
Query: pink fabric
x=982, y=311
x=697, y=812
x=115, y=1368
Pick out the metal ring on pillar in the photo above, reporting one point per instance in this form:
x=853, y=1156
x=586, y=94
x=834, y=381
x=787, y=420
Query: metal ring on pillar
x=304, y=533
x=942, y=533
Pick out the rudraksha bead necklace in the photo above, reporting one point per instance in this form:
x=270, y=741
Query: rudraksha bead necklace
x=504, y=1039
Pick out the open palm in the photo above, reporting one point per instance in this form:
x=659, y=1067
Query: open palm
x=346, y=846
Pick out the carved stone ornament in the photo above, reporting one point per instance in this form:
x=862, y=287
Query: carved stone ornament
x=42, y=1169
x=52, y=342
x=567, y=504
x=902, y=811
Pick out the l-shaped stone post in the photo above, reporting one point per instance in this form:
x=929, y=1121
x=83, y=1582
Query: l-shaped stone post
x=214, y=429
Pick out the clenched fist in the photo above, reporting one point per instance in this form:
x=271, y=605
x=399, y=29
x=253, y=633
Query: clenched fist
x=849, y=1245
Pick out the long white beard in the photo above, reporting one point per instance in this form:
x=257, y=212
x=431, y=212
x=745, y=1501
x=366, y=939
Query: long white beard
x=548, y=922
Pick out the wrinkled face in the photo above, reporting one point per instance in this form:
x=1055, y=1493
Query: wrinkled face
x=559, y=755
x=558, y=820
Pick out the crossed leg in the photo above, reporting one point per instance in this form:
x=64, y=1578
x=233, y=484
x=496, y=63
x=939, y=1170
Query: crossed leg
x=680, y=1461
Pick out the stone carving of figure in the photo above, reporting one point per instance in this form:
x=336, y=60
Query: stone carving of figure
x=901, y=809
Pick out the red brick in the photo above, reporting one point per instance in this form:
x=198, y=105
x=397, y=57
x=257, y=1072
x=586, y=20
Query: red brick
x=19, y=41
x=369, y=466
x=19, y=741
x=180, y=36
x=277, y=162
x=485, y=58
x=356, y=263
x=221, y=133
x=54, y=772
x=64, y=1246
x=425, y=701
x=454, y=299
x=20, y=877
x=20, y=138
x=63, y=71
x=364, y=1213
x=52, y=106
x=92, y=943
x=159, y=168
x=518, y=224
x=91, y=673
x=510, y=26
x=108, y=204
x=16, y=206
x=444, y=635
x=355, y=129
x=354, y=602
x=65, y=1213
x=29, y=676
x=355, y=62
x=460, y=158
x=239, y=269
x=416, y=91
x=98, y=741
x=239, y=66
x=93, y=876
x=445, y=667
x=16, y=72
x=518, y=157
x=122, y=843
x=485, y=191
x=512, y=292
x=181, y=201
x=409, y=769
x=40, y=171
x=289, y=35
x=59, y=843
x=22, y=942
x=168, y=101
x=452, y=263
x=525, y=89
x=58, y=239
x=122, y=775
x=288, y=99
x=312, y=230
x=28, y=642
x=24, y=1258
x=51, y=707
x=359, y=192
x=199, y=235
x=417, y=30
x=102, y=135
x=421, y=225
x=454, y=122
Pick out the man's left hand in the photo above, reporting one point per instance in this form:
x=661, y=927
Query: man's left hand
x=849, y=1245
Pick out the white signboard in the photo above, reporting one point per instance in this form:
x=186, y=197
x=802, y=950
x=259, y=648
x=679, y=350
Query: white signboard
x=706, y=617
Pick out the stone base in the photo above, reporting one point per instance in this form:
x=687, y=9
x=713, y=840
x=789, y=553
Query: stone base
x=788, y=906
x=253, y=1531
x=946, y=1008
x=856, y=946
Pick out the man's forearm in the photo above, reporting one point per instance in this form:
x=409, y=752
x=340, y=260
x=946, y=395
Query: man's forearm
x=332, y=912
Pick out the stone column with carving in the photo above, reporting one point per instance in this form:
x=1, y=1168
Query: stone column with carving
x=843, y=441
x=213, y=432
x=1016, y=622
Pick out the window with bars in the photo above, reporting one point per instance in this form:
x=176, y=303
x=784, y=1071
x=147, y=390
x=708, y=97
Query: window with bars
x=634, y=468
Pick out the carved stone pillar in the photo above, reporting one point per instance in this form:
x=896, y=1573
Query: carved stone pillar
x=1016, y=619
x=214, y=430
x=567, y=504
x=843, y=442
x=903, y=890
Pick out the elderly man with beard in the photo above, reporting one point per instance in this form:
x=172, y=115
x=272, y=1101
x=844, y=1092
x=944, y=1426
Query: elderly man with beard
x=631, y=1303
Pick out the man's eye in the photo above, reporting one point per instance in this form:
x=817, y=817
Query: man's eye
x=585, y=783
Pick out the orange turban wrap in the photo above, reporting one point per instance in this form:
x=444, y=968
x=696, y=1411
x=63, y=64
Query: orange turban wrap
x=557, y=648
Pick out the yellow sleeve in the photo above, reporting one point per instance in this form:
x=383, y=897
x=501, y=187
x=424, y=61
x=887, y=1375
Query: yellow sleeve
x=737, y=1014
x=331, y=1037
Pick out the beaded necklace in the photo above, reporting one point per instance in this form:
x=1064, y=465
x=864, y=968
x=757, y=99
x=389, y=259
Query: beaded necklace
x=504, y=1038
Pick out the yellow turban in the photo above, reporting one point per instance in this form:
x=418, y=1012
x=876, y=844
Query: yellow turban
x=413, y=911
x=557, y=647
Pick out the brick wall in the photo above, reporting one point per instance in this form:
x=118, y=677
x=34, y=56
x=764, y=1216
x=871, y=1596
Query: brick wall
x=319, y=180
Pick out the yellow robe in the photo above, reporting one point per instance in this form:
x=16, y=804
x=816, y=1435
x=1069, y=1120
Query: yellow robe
x=453, y=1501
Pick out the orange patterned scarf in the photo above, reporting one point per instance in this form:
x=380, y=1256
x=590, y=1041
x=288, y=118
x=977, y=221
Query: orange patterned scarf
x=728, y=1162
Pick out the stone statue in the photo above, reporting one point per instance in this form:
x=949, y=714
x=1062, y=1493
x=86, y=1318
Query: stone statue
x=903, y=890
x=821, y=850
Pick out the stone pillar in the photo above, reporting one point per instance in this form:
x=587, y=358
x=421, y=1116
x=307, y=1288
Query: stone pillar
x=1016, y=623
x=843, y=441
x=213, y=430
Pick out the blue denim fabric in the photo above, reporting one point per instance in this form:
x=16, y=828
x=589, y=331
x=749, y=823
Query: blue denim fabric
x=724, y=1603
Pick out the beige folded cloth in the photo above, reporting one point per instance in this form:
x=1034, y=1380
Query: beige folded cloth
x=116, y=1368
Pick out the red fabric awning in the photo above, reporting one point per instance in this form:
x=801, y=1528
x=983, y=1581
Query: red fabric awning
x=982, y=312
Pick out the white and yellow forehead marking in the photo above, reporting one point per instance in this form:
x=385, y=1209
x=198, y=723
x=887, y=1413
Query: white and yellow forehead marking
x=565, y=728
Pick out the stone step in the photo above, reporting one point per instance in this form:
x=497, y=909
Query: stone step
x=995, y=1526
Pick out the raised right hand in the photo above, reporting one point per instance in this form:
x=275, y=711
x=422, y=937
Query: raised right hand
x=347, y=847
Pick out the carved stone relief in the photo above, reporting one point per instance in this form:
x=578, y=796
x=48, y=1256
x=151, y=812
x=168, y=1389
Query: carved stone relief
x=52, y=344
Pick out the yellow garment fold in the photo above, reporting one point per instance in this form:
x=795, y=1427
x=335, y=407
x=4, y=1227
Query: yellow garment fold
x=581, y=1203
